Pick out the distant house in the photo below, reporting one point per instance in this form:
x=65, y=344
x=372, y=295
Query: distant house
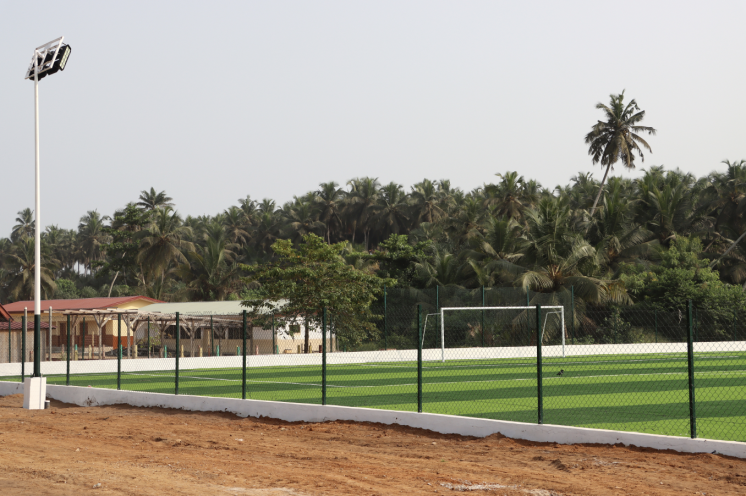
x=86, y=330
x=227, y=327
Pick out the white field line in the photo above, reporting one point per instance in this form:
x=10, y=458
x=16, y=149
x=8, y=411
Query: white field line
x=734, y=372
x=526, y=364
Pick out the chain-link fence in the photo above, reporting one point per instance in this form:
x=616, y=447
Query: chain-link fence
x=491, y=353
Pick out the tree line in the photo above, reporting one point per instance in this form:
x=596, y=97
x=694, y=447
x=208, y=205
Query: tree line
x=608, y=239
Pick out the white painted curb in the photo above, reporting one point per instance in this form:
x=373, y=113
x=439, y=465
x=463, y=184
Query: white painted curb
x=445, y=424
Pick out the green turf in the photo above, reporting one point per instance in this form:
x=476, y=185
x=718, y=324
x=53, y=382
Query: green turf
x=643, y=393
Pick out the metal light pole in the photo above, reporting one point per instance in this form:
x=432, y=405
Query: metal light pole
x=46, y=60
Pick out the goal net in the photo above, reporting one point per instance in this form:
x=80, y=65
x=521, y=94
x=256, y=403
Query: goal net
x=464, y=327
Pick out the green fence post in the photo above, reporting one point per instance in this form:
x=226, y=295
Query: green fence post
x=178, y=343
x=67, y=380
x=735, y=334
x=323, y=357
x=275, y=351
x=690, y=363
x=572, y=311
x=212, y=338
x=37, y=344
x=119, y=351
x=23, y=344
x=148, y=333
x=437, y=311
x=243, y=366
x=419, y=357
x=483, y=305
x=83, y=337
x=528, y=315
x=694, y=323
x=539, y=384
x=655, y=316
x=385, y=337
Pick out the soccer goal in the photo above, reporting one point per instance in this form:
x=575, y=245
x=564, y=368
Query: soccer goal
x=557, y=310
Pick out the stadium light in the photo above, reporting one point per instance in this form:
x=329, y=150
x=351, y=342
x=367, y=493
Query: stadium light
x=46, y=60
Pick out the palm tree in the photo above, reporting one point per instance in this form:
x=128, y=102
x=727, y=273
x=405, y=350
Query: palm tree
x=163, y=243
x=557, y=258
x=362, y=205
x=91, y=236
x=24, y=225
x=329, y=198
x=150, y=200
x=392, y=217
x=426, y=202
x=618, y=137
x=616, y=236
x=442, y=268
x=235, y=223
x=507, y=197
x=22, y=259
x=301, y=220
x=266, y=232
x=209, y=274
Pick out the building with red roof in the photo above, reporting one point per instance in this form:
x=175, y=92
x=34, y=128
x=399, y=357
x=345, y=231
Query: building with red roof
x=86, y=333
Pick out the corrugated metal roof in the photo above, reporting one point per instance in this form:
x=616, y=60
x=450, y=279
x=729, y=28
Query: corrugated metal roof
x=198, y=307
x=4, y=314
x=76, y=304
x=17, y=325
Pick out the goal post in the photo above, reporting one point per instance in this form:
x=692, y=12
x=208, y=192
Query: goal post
x=550, y=310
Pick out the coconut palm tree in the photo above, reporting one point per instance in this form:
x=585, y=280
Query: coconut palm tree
x=506, y=198
x=235, y=223
x=442, y=268
x=24, y=225
x=266, y=231
x=209, y=273
x=392, y=216
x=91, y=237
x=301, y=220
x=556, y=258
x=22, y=259
x=330, y=201
x=150, y=200
x=362, y=206
x=163, y=244
x=617, y=138
x=427, y=203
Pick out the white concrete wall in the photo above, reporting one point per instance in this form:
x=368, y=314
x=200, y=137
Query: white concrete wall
x=154, y=364
x=446, y=424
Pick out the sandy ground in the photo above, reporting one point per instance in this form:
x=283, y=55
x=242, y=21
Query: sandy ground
x=68, y=450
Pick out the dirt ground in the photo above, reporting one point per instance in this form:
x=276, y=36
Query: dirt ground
x=126, y=450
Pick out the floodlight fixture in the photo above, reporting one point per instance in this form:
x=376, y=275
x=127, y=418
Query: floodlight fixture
x=48, y=59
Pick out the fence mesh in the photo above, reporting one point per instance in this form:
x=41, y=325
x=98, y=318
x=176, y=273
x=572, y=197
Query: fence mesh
x=637, y=369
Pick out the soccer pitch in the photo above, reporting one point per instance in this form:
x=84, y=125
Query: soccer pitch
x=643, y=393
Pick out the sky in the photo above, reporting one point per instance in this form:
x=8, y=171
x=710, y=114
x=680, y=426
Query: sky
x=214, y=101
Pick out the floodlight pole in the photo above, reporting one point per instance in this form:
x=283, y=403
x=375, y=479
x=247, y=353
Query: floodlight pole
x=37, y=237
x=45, y=62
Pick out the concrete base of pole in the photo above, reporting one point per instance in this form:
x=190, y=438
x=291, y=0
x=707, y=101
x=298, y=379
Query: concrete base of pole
x=34, y=393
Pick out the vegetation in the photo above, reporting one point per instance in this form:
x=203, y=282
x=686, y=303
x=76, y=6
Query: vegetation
x=658, y=240
x=301, y=282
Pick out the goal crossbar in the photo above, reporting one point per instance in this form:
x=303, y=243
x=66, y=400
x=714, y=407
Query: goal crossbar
x=558, y=309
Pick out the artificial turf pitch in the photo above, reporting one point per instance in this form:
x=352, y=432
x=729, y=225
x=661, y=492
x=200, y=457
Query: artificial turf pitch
x=643, y=393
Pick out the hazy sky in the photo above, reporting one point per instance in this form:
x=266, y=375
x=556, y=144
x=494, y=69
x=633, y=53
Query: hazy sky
x=213, y=101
